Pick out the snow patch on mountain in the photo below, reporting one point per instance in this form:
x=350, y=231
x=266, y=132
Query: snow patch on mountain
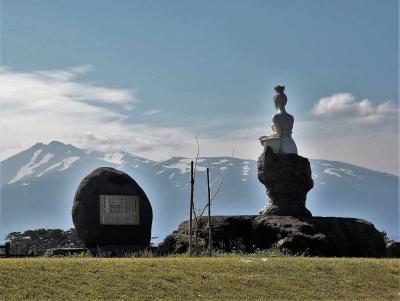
x=222, y=161
x=349, y=172
x=336, y=172
x=30, y=167
x=115, y=158
x=183, y=165
x=245, y=168
x=67, y=162
x=331, y=171
x=49, y=169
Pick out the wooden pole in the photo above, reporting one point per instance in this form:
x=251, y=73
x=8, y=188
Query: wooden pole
x=191, y=207
x=7, y=244
x=209, y=214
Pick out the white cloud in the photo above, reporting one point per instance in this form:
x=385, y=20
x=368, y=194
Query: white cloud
x=43, y=90
x=344, y=106
x=140, y=139
x=50, y=105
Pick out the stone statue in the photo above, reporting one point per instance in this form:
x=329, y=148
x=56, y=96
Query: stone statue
x=286, y=175
x=282, y=124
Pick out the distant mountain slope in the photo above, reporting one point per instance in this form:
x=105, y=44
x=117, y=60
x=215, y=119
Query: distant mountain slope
x=38, y=186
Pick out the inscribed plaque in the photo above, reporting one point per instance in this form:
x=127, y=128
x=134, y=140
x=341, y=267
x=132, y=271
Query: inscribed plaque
x=119, y=210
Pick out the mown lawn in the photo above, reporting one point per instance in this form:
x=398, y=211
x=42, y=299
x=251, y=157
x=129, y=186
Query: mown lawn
x=230, y=278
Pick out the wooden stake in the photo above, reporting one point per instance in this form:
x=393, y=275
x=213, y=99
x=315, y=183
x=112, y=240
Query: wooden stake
x=191, y=207
x=7, y=245
x=209, y=214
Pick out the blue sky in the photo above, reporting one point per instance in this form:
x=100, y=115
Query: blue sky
x=159, y=73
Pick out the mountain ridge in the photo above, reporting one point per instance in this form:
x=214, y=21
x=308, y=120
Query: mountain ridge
x=38, y=185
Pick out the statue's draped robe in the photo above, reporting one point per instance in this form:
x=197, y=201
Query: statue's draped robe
x=281, y=139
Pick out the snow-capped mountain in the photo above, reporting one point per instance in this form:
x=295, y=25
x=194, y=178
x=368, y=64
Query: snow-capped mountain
x=38, y=186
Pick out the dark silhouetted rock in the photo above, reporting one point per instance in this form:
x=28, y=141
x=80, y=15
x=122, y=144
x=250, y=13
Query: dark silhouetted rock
x=393, y=249
x=287, y=178
x=310, y=236
x=86, y=211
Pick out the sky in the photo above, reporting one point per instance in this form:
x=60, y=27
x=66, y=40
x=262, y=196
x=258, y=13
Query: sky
x=148, y=77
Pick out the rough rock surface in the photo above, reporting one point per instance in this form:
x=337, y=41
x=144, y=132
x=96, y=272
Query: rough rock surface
x=86, y=210
x=287, y=178
x=312, y=236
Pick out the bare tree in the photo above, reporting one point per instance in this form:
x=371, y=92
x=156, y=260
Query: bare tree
x=199, y=213
x=192, y=211
x=218, y=181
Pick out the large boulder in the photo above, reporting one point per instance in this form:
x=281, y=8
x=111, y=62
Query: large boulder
x=287, y=178
x=310, y=236
x=116, y=225
x=322, y=236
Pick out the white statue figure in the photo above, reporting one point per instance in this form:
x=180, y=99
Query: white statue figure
x=282, y=124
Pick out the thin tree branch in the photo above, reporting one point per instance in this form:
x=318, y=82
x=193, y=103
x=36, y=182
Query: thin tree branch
x=196, y=158
x=220, y=181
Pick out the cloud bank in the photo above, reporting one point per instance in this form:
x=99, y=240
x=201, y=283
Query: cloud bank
x=358, y=132
x=56, y=105
x=344, y=106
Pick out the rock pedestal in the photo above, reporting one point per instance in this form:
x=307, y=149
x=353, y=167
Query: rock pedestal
x=309, y=236
x=287, y=178
x=112, y=212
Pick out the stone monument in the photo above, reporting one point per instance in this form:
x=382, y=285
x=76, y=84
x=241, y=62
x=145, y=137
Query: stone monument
x=111, y=212
x=286, y=176
x=285, y=222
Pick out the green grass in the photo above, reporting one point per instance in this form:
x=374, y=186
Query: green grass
x=237, y=278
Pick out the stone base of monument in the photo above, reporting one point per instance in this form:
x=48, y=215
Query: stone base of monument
x=309, y=236
x=287, y=179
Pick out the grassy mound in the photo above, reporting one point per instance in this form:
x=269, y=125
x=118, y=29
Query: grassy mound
x=238, y=277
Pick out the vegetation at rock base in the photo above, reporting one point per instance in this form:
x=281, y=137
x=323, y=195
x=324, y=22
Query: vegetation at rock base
x=227, y=278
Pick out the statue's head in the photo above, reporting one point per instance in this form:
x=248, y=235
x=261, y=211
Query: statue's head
x=280, y=98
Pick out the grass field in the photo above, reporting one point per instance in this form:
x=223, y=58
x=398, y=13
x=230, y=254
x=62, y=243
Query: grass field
x=233, y=278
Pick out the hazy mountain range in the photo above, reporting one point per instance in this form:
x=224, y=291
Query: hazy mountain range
x=38, y=186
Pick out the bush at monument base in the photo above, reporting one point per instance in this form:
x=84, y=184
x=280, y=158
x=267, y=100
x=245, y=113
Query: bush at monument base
x=110, y=208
